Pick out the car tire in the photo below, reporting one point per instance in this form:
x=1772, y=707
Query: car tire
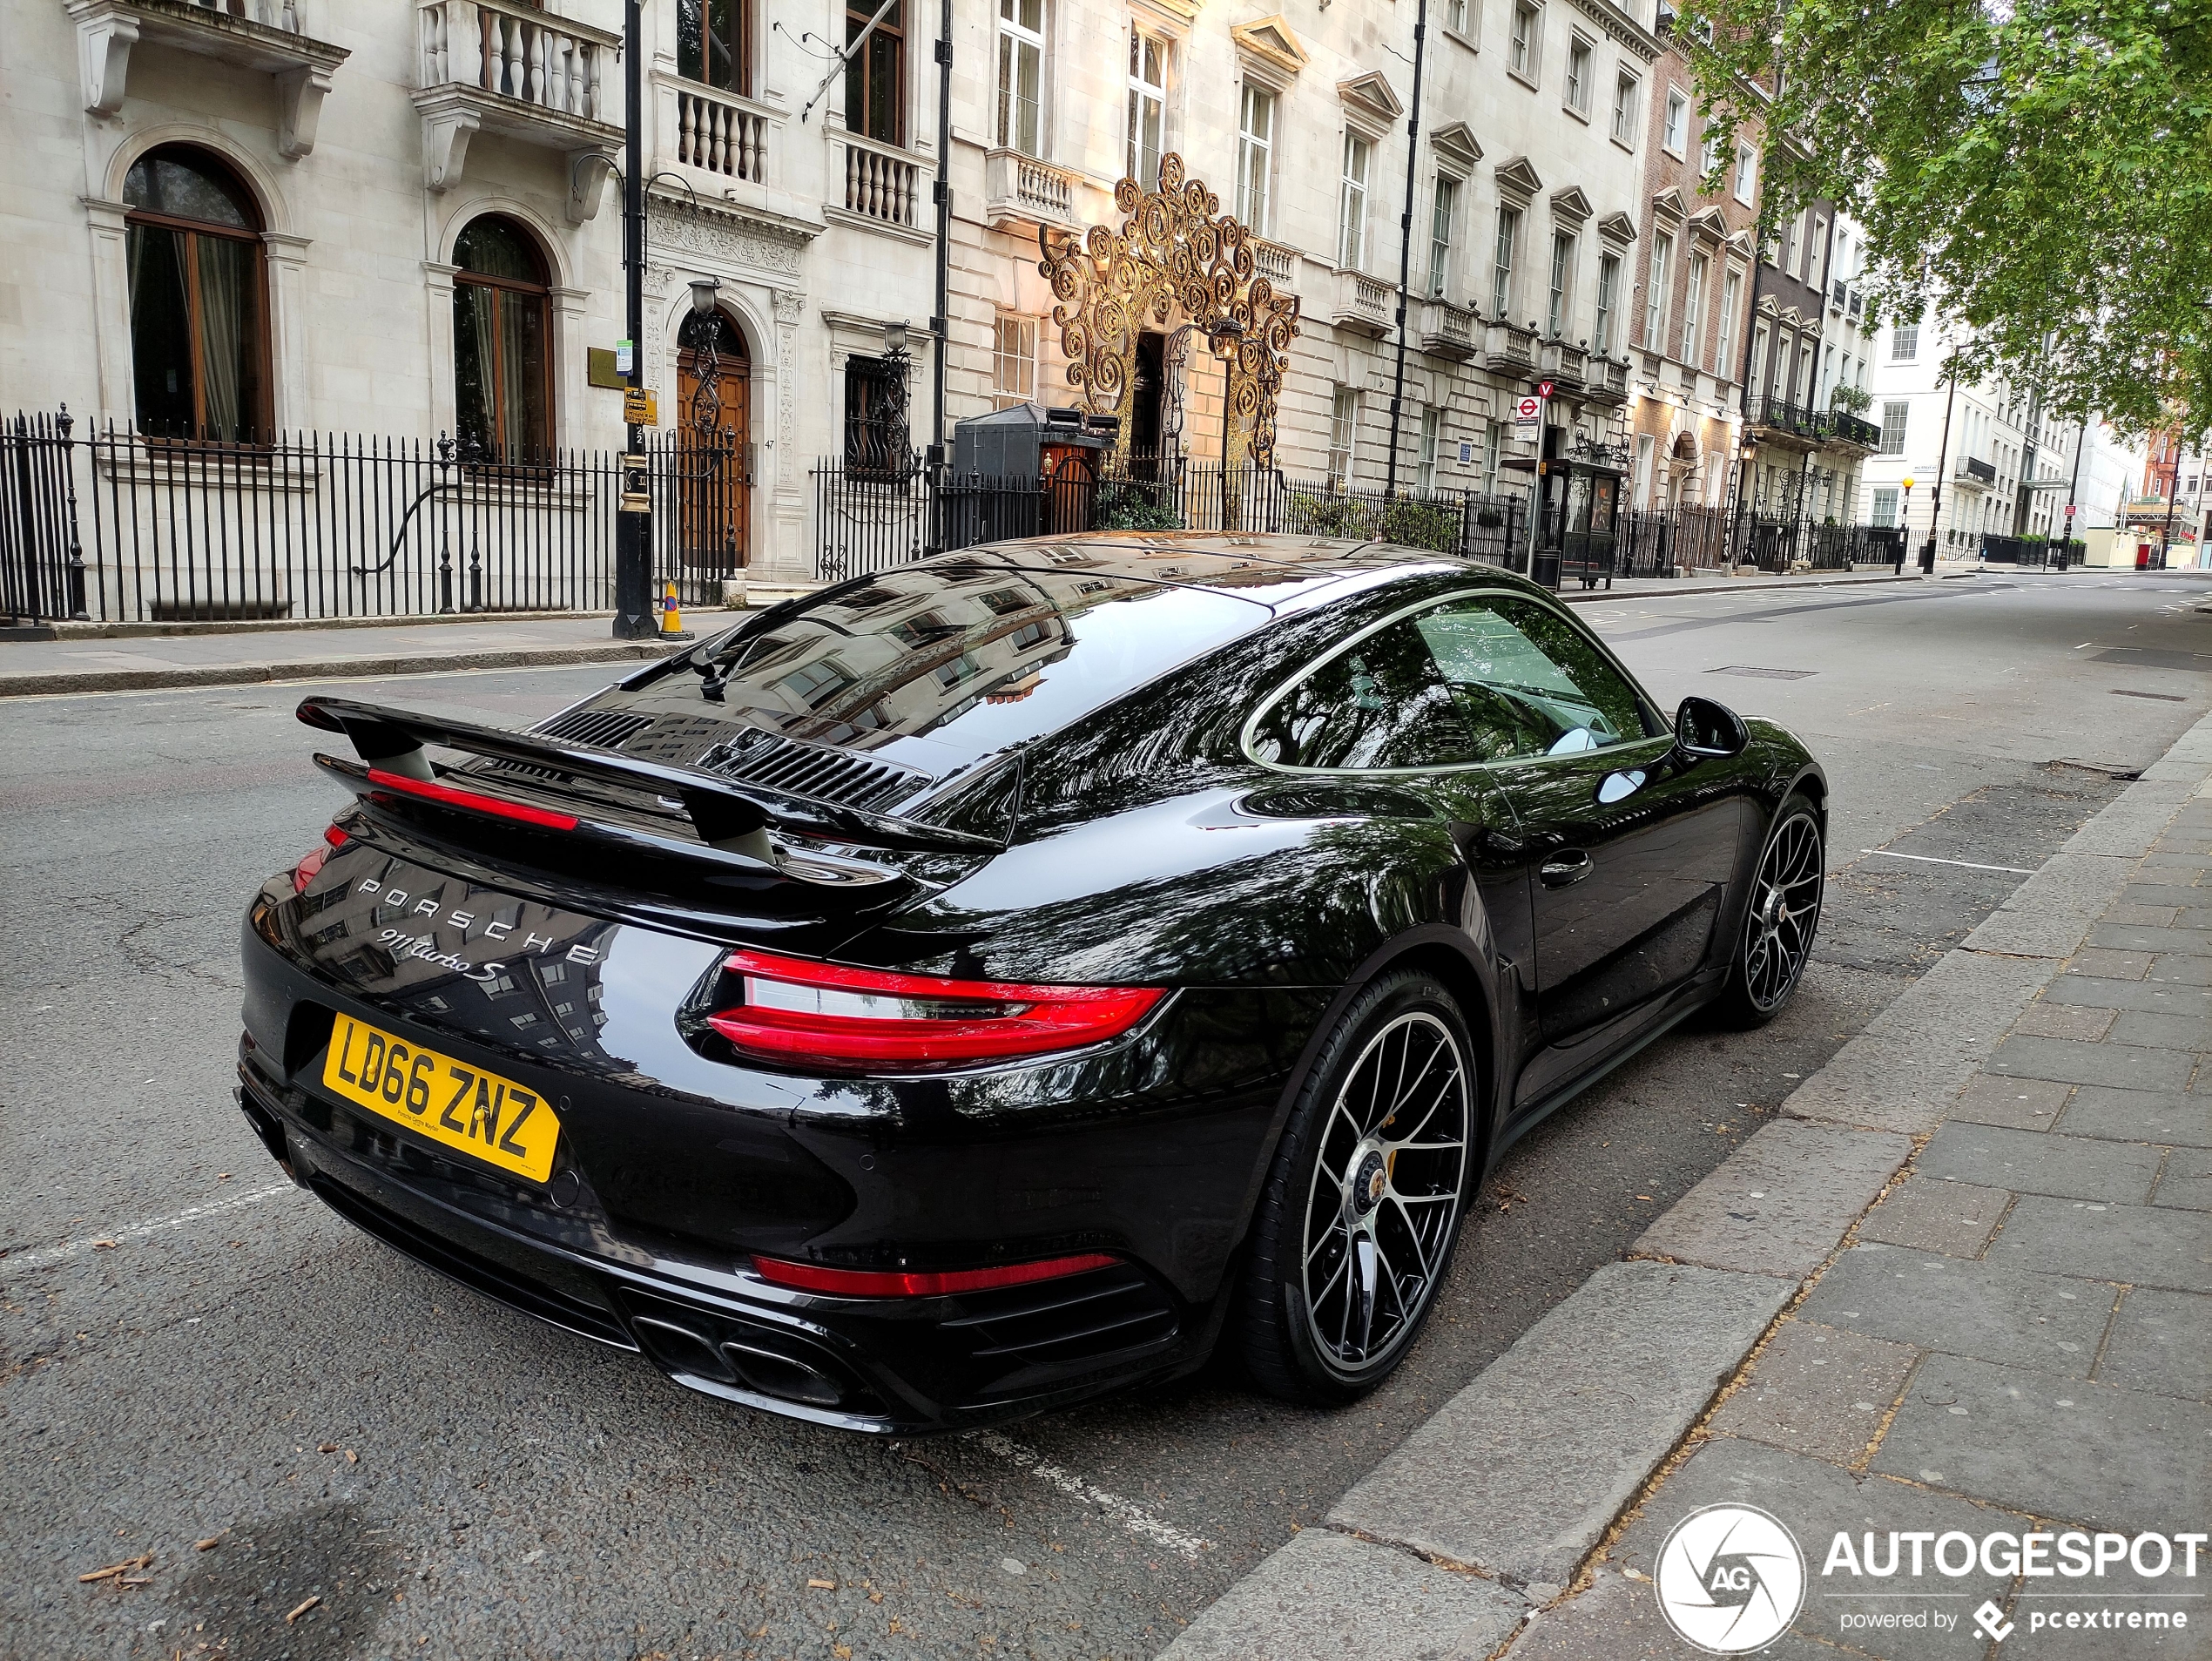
x=1355, y=1229
x=1780, y=918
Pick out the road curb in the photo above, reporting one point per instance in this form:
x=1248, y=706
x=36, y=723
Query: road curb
x=1751, y=585
x=1506, y=1483
x=66, y=681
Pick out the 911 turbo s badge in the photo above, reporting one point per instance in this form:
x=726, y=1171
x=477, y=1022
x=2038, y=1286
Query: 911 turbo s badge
x=424, y=946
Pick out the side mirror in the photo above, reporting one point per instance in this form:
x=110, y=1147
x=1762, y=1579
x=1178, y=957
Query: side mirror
x=1705, y=729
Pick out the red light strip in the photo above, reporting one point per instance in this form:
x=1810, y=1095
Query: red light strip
x=475, y=801
x=1042, y=1019
x=894, y=1283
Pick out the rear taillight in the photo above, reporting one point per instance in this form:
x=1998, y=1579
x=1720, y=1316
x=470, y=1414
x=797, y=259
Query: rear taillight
x=311, y=861
x=827, y=1015
x=894, y=1283
x=475, y=800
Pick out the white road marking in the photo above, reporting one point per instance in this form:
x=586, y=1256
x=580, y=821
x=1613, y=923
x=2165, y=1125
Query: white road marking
x=1132, y=1516
x=68, y=1249
x=1925, y=859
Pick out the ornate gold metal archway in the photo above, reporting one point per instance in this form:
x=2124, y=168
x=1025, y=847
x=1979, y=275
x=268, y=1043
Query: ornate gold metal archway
x=1176, y=250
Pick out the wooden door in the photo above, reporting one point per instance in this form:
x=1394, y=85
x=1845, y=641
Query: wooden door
x=714, y=457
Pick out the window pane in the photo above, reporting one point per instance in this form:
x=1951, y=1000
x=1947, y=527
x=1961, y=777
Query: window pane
x=1382, y=704
x=160, y=330
x=524, y=432
x=1526, y=682
x=178, y=182
x=475, y=353
x=495, y=247
x=230, y=337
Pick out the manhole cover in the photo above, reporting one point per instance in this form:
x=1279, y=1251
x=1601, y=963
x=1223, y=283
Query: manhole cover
x=1763, y=674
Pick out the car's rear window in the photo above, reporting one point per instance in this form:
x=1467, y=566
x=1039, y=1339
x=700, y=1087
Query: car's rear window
x=934, y=666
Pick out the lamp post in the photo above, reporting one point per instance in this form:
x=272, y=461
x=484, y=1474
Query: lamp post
x=633, y=520
x=1943, y=452
x=1903, y=523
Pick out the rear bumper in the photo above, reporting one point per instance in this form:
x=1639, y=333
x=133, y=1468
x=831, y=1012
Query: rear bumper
x=881, y=1365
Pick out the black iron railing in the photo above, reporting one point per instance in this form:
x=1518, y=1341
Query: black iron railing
x=118, y=526
x=868, y=519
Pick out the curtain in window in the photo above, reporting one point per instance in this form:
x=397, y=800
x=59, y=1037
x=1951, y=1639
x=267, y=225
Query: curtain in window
x=522, y=379
x=226, y=304
x=475, y=355
x=160, y=330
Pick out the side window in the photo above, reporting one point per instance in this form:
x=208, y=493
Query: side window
x=1383, y=703
x=1526, y=681
x=1472, y=680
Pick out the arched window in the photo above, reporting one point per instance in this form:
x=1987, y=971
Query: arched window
x=199, y=339
x=503, y=322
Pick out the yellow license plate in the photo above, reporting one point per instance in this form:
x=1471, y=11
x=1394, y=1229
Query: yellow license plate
x=467, y=1108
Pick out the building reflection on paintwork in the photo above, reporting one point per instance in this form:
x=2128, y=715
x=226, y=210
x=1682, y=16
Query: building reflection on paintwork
x=512, y=971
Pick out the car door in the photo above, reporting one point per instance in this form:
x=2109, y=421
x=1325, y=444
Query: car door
x=1378, y=716
x=1629, y=846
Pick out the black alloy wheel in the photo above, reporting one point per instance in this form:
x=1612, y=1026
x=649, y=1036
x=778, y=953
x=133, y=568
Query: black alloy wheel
x=1356, y=1228
x=1780, y=919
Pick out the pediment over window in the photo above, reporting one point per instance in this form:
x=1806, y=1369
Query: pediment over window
x=1617, y=227
x=1369, y=96
x=1769, y=306
x=1570, y=204
x=1516, y=178
x=1668, y=204
x=1269, y=48
x=1708, y=222
x=1741, y=243
x=1457, y=143
x=1792, y=318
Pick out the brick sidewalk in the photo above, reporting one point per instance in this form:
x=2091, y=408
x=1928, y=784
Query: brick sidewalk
x=2018, y=1338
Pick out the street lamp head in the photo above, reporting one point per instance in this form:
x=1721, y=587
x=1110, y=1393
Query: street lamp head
x=704, y=289
x=895, y=339
x=1907, y=481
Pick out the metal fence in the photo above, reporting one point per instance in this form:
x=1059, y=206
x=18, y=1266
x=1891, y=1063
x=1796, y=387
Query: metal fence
x=867, y=518
x=2033, y=553
x=116, y=526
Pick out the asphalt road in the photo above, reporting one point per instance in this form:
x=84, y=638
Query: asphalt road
x=190, y=1350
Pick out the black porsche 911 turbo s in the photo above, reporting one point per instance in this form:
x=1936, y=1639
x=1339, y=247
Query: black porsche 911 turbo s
x=997, y=980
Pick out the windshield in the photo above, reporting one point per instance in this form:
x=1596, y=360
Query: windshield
x=934, y=666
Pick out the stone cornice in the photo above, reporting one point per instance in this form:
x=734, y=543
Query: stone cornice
x=1623, y=28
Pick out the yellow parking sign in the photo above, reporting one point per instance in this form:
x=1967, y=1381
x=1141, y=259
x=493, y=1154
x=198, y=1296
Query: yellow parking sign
x=640, y=408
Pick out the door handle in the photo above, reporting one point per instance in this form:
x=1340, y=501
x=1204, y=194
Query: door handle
x=1565, y=869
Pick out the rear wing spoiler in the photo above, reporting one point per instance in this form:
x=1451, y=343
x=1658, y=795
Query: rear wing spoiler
x=728, y=816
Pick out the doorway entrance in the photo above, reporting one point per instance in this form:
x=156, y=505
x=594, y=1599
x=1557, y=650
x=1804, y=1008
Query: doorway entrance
x=713, y=423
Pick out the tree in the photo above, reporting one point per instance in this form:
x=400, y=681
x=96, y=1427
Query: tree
x=2039, y=172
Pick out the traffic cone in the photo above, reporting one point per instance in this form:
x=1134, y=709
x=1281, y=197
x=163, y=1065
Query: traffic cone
x=671, y=620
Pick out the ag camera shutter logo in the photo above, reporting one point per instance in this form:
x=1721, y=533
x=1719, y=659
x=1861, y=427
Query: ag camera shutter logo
x=1731, y=1579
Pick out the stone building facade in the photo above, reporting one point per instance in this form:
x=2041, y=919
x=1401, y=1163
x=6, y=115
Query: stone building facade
x=420, y=215
x=1693, y=295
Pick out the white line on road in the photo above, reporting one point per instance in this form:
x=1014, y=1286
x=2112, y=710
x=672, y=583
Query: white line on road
x=1925, y=859
x=68, y=1249
x=1132, y=1516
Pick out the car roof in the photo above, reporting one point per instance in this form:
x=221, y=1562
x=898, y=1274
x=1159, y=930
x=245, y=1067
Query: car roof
x=1281, y=571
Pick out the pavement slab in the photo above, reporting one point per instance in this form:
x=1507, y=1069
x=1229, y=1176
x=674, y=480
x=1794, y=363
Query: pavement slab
x=1961, y=1307
x=1522, y=1471
x=2067, y=1062
x=2041, y=1162
x=2054, y=1446
x=2022, y=1103
x=1781, y=1202
x=1618, y=1619
x=1954, y=1218
x=2175, y=1030
x=1326, y=1595
x=2164, y=1117
x=2154, y=997
x=1817, y=1389
x=2142, y=1246
x=2048, y=914
x=2186, y=1181
x=2160, y=1341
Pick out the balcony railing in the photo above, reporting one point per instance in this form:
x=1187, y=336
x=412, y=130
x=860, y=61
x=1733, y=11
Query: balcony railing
x=721, y=134
x=1509, y=349
x=518, y=52
x=1021, y=189
x=1845, y=427
x=1779, y=416
x=1449, y=331
x=1563, y=363
x=1972, y=467
x=1364, y=303
x=1607, y=379
x=1277, y=263
x=878, y=183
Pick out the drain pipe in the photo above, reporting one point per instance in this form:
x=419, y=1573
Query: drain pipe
x=1406, y=238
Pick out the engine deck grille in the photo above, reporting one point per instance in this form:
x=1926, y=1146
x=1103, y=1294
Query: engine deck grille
x=602, y=729
x=812, y=770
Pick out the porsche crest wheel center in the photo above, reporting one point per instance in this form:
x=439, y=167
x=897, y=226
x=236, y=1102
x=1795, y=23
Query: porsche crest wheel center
x=1370, y=1183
